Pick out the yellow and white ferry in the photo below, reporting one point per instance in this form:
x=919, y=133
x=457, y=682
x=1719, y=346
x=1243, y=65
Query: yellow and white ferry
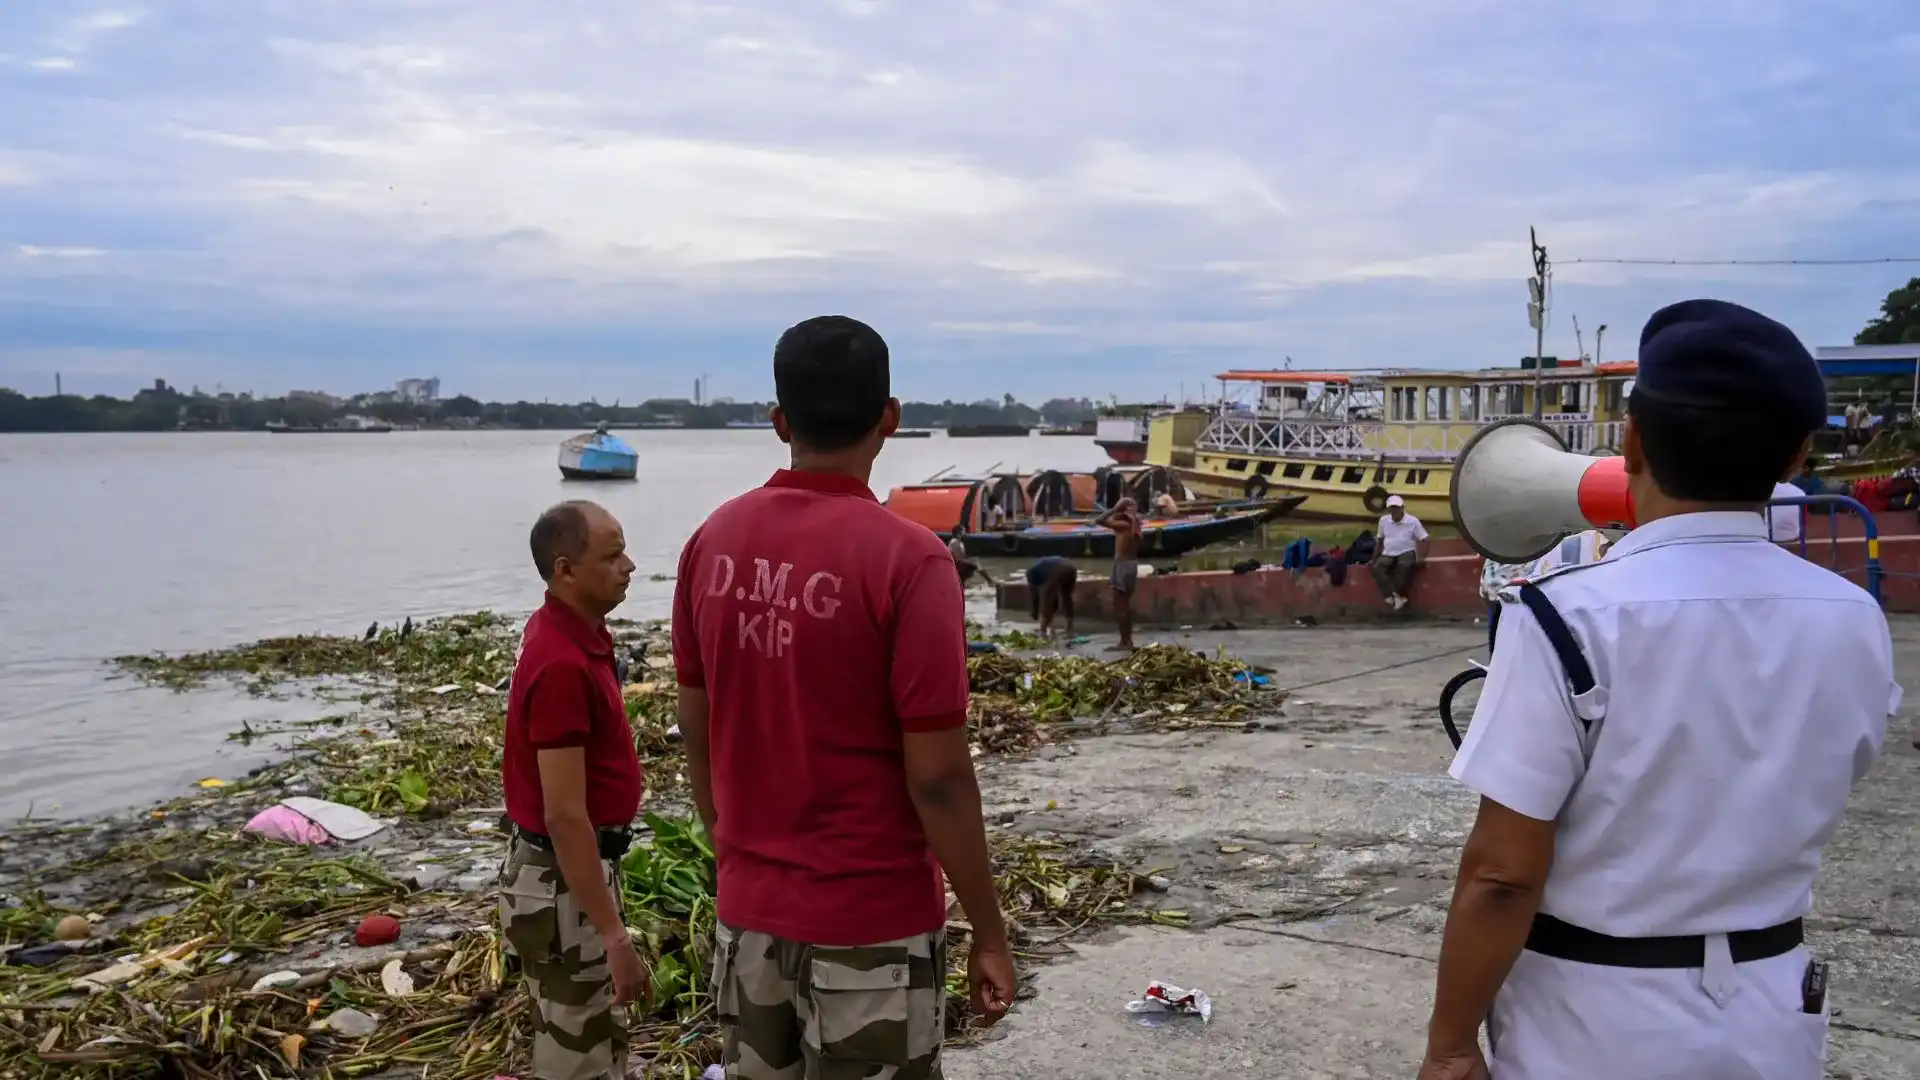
x=1348, y=439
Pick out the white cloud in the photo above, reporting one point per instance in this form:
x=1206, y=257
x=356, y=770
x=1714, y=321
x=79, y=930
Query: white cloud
x=991, y=168
x=69, y=40
x=16, y=173
x=35, y=251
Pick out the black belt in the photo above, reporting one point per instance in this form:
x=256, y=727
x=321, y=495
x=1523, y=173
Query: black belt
x=613, y=842
x=1565, y=941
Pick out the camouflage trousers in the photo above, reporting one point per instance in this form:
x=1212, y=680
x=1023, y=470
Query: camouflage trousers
x=790, y=1011
x=577, y=1032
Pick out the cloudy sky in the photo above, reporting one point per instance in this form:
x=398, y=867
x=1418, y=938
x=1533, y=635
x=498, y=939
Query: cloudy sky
x=601, y=198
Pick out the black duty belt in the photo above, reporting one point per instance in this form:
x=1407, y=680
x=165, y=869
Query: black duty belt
x=613, y=842
x=1565, y=941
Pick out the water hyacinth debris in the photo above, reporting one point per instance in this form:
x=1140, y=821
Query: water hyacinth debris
x=235, y=954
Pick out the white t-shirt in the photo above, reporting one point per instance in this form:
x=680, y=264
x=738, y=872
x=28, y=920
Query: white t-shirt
x=1399, y=537
x=1583, y=547
x=1783, y=522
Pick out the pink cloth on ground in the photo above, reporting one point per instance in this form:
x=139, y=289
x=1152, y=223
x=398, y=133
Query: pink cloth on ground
x=286, y=824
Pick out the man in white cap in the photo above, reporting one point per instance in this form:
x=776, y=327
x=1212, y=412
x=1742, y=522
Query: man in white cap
x=1403, y=546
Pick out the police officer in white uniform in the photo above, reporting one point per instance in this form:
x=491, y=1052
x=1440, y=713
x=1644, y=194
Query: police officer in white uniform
x=1629, y=901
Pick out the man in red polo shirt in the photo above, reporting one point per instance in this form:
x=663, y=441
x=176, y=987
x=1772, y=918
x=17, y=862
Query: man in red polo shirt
x=821, y=652
x=573, y=787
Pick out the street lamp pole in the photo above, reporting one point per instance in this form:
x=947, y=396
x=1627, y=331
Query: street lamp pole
x=1538, y=291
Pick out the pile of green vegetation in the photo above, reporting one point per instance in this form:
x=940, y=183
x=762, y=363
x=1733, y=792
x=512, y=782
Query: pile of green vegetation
x=205, y=913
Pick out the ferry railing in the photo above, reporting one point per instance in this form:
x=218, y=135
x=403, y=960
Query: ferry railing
x=1874, y=577
x=1874, y=573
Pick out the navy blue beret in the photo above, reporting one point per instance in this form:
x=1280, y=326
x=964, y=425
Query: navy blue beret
x=1712, y=355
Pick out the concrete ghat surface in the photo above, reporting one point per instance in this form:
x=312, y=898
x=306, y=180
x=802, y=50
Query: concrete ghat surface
x=1322, y=916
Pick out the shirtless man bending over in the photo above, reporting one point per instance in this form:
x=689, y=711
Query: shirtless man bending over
x=1124, y=520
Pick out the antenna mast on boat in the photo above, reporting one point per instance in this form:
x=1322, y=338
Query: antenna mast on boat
x=1539, y=288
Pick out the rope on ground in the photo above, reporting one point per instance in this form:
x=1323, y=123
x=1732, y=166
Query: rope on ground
x=1475, y=647
x=1274, y=931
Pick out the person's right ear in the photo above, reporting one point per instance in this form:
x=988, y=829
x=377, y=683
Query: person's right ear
x=1630, y=449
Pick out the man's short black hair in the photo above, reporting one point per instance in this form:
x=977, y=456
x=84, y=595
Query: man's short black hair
x=1714, y=455
x=830, y=377
x=561, y=532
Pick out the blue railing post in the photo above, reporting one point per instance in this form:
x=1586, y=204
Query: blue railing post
x=1868, y=526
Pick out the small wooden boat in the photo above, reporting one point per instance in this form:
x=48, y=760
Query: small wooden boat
x=598, y=455
x=988, y=431
x=955, y=504
x=906, y=433
x=1158, y=536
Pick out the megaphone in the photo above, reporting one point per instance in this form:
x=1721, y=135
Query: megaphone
x=1517, y=491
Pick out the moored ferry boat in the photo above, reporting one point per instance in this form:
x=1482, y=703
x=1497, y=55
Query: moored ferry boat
x=1348, y=439
x=1121, y=430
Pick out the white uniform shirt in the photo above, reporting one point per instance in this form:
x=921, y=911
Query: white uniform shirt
x=1783, y=522
x=1399, y=537
x=1746, y=690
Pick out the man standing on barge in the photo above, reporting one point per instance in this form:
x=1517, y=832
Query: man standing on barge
x=1124, y=521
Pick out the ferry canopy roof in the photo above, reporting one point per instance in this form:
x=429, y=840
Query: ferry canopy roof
x=1286, y=376
x=1513, y=374
x=1842, y=361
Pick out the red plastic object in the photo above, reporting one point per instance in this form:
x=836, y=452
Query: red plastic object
x=377, y=930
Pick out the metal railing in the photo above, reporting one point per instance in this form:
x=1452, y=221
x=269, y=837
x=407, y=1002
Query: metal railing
x=1870, y=531
x=1374, y=440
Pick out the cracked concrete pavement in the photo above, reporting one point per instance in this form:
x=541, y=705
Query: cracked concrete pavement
x=1316, y=860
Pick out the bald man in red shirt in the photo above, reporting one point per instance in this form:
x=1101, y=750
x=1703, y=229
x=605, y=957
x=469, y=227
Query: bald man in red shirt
x=820, y=646
x=573, y=786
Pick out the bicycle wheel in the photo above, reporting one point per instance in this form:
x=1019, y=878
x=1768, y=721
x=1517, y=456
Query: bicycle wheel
x=1458, y=732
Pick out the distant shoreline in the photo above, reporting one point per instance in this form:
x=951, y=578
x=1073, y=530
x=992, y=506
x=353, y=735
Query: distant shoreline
x=414, y=429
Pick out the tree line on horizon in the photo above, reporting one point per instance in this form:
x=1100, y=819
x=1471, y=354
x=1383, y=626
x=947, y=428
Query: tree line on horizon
x=164, y=408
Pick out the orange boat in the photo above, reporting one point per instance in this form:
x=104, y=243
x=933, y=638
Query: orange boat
x=955, y=505
x=941, y=505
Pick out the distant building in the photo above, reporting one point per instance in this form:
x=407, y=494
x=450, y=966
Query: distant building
x=417, y=391
x=318, y=397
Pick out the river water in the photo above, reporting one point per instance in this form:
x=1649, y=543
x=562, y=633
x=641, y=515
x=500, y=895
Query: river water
x=115, y=544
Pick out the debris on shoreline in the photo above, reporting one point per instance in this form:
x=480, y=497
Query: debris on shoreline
x=1022, y=702
x=210, y=952
x=258, y=951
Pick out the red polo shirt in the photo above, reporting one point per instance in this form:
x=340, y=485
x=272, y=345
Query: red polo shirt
x=565, y=692
x=823, y=628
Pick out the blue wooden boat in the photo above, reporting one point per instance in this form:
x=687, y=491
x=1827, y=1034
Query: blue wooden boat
x=1158, y=536
x=598, y=455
